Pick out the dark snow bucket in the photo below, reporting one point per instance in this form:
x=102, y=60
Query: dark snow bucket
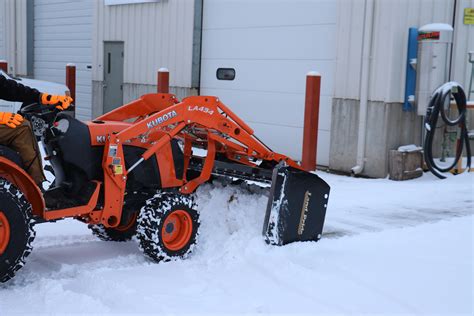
x=296, y=207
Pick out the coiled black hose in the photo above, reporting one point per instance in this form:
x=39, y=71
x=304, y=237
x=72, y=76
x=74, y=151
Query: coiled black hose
x=434, y=111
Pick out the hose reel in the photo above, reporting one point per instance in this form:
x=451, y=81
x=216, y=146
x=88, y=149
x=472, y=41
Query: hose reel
x=437, y=108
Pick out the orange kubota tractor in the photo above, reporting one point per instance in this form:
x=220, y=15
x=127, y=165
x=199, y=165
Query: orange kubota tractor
x=132, y=172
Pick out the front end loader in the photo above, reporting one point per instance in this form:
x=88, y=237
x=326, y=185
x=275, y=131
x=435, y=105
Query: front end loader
x=133, y=172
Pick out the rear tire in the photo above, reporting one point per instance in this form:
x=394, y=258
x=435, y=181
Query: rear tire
x=168, y=226
x=123, y=232
x=16, y=230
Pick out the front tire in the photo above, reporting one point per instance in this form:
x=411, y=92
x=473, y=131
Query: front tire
x=123, y=232
x=16, y=230
x=168, y=226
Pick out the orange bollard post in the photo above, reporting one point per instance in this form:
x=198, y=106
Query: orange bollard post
x=71, y=80
x=311, y=121
x=4, y=65
x=163, y=80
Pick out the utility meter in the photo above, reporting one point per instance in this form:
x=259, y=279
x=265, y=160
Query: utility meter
x=432, y=66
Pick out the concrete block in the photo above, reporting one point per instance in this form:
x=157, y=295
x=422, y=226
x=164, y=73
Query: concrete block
x=405, y=165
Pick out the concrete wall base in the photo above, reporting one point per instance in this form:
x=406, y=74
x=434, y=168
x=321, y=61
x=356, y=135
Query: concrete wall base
x=388, y=127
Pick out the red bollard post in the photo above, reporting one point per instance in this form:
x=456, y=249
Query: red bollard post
x=163, y=80
x=311, y=121
x=4, y=65
x=71, y=80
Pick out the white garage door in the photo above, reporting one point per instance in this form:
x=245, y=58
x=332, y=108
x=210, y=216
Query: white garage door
x=271, y=45
x=63, y=34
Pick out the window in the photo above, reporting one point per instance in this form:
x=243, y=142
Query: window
x=225, y=73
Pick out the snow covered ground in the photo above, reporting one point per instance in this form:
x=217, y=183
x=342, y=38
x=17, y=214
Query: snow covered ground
x=388, y=247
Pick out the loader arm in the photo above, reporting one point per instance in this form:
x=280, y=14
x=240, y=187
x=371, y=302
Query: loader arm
x=197, y=120
x=146, y=105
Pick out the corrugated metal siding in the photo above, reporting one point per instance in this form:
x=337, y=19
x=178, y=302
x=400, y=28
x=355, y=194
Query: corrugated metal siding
x=389, y=44
x=61, y=38
x=13, y=35
x=20, y=38
x=463, y=43
x=2, y=30
x=155, y=35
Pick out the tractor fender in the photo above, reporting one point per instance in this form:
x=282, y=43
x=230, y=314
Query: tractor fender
x=17, y=176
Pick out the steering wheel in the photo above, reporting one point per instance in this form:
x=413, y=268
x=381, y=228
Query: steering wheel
x=40, y=116
x=36, y=108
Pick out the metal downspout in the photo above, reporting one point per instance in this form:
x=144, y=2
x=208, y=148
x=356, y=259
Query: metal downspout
x=364, y=85
x=15, y=44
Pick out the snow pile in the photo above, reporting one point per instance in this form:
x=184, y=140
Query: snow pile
x=409, y=148
x=388, y=247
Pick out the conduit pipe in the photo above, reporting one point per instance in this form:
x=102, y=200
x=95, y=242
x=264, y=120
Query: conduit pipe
x=364, y=85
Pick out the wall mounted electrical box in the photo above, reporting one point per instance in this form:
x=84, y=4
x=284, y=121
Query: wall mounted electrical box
x=433, y=61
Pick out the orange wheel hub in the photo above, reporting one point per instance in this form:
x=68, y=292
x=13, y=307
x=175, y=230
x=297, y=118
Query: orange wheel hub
x=177, y=230
x=4, y=232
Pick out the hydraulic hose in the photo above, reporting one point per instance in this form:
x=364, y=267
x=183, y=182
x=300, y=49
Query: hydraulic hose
x=434, y=111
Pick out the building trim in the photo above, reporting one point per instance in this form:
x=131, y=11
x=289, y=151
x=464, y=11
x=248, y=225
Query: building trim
x=197, y=44
x=30, y=37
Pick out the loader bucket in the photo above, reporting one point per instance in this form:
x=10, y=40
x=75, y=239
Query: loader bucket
x=296, y=207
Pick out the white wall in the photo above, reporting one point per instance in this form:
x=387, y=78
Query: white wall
x=392, y=19
x=155, y=35
x=272, y=45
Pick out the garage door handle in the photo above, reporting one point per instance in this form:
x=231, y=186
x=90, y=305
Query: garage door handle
x=104, y=86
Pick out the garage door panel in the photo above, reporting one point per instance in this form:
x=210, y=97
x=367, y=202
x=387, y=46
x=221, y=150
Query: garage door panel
x=267, y=75
x=271, y=45
x=280, y=138
x=285, y=43
x=76, y=44
x=52, y=2
x=61, y=16
x=288, y=140
x=65, y=38
x=59, y=64
x=63, y=59
x=59, y=76
x=324, y=141
x=260, y=13
x=260, y=107
x=67, y=21
x=46, y=31
x=272, y=108
x=62, y=51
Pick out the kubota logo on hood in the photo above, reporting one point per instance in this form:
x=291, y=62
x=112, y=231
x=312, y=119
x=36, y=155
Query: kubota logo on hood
x=161, y=119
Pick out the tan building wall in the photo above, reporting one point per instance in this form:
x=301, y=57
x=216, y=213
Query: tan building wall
x=155, y=35
x=390, y=24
